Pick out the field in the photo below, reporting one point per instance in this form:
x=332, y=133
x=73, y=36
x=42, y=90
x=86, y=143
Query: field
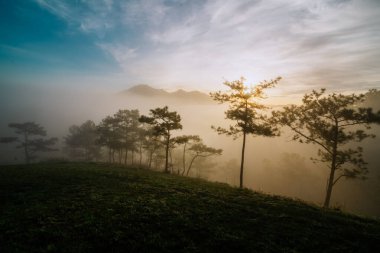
x=78, y=207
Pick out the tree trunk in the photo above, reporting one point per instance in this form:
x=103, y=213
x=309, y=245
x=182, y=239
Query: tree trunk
x=243, y=147
x=140, y=162
x=167, y=153
x=330, y=183
x=150, y=160
x=184, y=158
x=191, y=164
x=126, y=157
x=329, y=187
x=332, y=169
x=109, y=155
x=171, y=161
x=242, y=161
x=132, y=157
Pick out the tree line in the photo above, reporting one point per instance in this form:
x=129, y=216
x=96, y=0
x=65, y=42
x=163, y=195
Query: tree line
x=332, y=122
x=125, y=138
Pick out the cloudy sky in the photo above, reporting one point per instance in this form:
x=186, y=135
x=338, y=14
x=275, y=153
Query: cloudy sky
x=191, y=44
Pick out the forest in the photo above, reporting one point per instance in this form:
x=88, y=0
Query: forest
x=334, y=124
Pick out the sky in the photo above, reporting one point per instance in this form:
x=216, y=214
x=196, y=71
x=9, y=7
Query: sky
x=190, y=44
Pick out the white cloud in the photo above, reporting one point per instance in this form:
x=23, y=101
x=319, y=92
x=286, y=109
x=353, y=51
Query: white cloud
x=59, y=8
x=144, y=12
x=87, y=16
x=120, y=53
x=334, y=43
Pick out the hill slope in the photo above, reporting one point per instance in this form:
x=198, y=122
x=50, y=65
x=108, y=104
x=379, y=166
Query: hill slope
x=102, y=208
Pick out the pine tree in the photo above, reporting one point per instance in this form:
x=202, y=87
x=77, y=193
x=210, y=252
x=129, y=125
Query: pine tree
x=334, y=123
x=28, y=141
x=163, y=122
x=245, y=111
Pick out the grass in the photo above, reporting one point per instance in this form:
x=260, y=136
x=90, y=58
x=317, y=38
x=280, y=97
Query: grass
x=72, y=207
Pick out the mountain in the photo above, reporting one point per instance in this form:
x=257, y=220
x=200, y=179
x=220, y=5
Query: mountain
x=145, y=90
x=180, y=96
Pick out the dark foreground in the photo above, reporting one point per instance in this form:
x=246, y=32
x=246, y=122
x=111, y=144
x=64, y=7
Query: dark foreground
x=98, y=208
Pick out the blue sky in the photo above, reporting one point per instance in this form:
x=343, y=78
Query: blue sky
x=112, y=44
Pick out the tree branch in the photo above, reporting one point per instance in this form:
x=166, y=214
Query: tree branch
x=310, y=139
x=354, y=123
x=337, y=179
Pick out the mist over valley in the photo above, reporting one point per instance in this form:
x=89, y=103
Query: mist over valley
x=274, y=165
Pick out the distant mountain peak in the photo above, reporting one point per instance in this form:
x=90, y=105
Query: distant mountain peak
x=145, y=90
x=180, y=95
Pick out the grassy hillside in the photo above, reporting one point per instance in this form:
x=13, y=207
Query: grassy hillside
x=99, y=208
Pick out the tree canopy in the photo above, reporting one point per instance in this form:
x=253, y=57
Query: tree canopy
x=201, y=150
x=82, y=141
x=185, y=140
x=245, y=111
x=334, y=123
x=29, y=140
x=163, y=122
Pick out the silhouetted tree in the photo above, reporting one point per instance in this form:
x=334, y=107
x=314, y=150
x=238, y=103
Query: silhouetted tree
x=128, y=123
x=163, y=122
x=28, y=140
x=201, y=150
x=186, y=140
x=332, y=122
x=151, y=144
x=110, y=136
x=82, y=141
x=245, y=112
x=141, y=137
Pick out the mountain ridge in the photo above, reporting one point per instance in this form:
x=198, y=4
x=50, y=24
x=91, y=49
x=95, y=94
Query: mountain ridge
x=180, y=95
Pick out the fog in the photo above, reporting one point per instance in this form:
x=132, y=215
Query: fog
x=274, y=165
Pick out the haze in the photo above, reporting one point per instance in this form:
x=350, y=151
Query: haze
x=65, y=62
